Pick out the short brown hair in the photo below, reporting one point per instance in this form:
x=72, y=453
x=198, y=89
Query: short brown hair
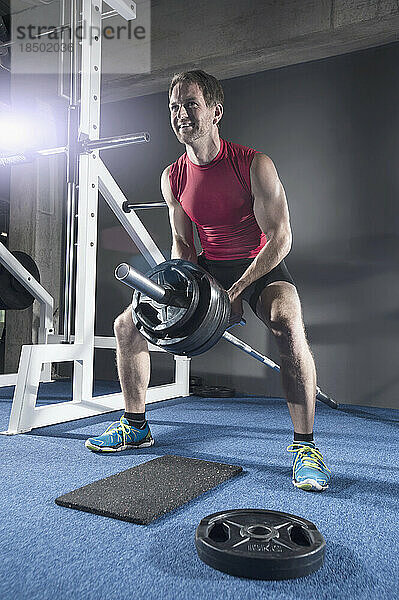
x=209, y=85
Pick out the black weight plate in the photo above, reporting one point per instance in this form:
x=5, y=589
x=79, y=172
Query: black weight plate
x=183, y=334
x=203, y=319
x=178, y=317
x=206, y=320
x=212, y=324
x=260, y=544
x=222, y=309
x=160, y=319
x=188, y=331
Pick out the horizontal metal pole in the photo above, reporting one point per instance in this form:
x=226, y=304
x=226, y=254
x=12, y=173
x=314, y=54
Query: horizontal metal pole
x=16, y=158
x=100, y=341
x=128, y=206
x=115, y=141
x=51, y=151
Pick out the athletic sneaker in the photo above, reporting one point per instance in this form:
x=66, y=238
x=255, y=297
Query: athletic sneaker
x=309, y=472
x=121, y=436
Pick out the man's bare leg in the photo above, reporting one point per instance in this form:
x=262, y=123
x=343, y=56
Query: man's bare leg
x=133, y=362
x=279, y=307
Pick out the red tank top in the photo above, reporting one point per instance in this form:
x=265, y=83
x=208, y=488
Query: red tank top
x=217, y=197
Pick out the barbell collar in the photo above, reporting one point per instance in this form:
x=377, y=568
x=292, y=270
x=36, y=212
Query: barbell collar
x=137, y=281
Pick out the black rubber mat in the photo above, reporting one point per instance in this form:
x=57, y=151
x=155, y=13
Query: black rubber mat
x=144, y=493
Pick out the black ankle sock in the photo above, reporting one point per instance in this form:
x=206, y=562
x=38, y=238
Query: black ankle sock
x=303, y=437
x=135, y=419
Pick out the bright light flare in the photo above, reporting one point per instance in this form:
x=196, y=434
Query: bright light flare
x=18, y=133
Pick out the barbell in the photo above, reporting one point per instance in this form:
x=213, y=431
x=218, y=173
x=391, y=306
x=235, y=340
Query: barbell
x=181, y=308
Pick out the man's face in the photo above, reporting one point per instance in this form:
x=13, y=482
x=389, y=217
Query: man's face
x=190, y=117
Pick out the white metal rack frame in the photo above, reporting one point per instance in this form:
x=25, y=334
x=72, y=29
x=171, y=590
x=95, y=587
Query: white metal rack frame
x=93, y=177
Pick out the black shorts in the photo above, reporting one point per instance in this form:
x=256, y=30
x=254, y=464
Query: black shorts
x=227, y=272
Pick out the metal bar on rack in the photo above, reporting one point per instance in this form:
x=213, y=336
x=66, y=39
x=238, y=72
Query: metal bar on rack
x=115, y=141
x=129, y=206
x=17, y=158
x=81, y=147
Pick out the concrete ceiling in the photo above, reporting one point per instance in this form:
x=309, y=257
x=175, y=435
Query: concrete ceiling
x=230, y=38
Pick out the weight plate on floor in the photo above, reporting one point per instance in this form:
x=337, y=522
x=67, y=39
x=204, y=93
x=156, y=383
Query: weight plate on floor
x=260, y=544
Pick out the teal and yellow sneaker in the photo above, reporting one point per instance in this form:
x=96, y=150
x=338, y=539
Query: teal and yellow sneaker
x=121, y=436
x=309, y=472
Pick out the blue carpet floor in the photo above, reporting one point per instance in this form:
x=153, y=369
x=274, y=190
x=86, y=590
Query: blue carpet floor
x=50, y=552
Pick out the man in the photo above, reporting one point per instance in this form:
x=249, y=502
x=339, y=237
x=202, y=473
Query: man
x=235, y=198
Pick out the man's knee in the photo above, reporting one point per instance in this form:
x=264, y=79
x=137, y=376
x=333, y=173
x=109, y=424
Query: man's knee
x=124, y=327
x=280, y=308
x=286, y=326
x=285, y=317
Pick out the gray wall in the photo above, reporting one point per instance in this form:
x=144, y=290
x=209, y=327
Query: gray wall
x=331, y=128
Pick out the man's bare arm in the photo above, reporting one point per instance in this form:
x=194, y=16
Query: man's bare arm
x=181, y=226
x=271, y=213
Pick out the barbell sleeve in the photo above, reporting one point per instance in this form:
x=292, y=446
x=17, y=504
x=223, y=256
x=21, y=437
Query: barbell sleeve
x=137, y=281
x=270, y=363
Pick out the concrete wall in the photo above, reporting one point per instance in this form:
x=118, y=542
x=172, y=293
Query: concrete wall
x=331, y=128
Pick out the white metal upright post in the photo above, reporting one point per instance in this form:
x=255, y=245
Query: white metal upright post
x=89, y=127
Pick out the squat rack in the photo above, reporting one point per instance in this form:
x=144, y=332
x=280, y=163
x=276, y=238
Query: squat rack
x=87, y=175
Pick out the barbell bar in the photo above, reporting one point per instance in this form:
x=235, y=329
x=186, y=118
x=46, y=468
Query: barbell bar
x=184, y=310
x=82, y=147
x=270, y=363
